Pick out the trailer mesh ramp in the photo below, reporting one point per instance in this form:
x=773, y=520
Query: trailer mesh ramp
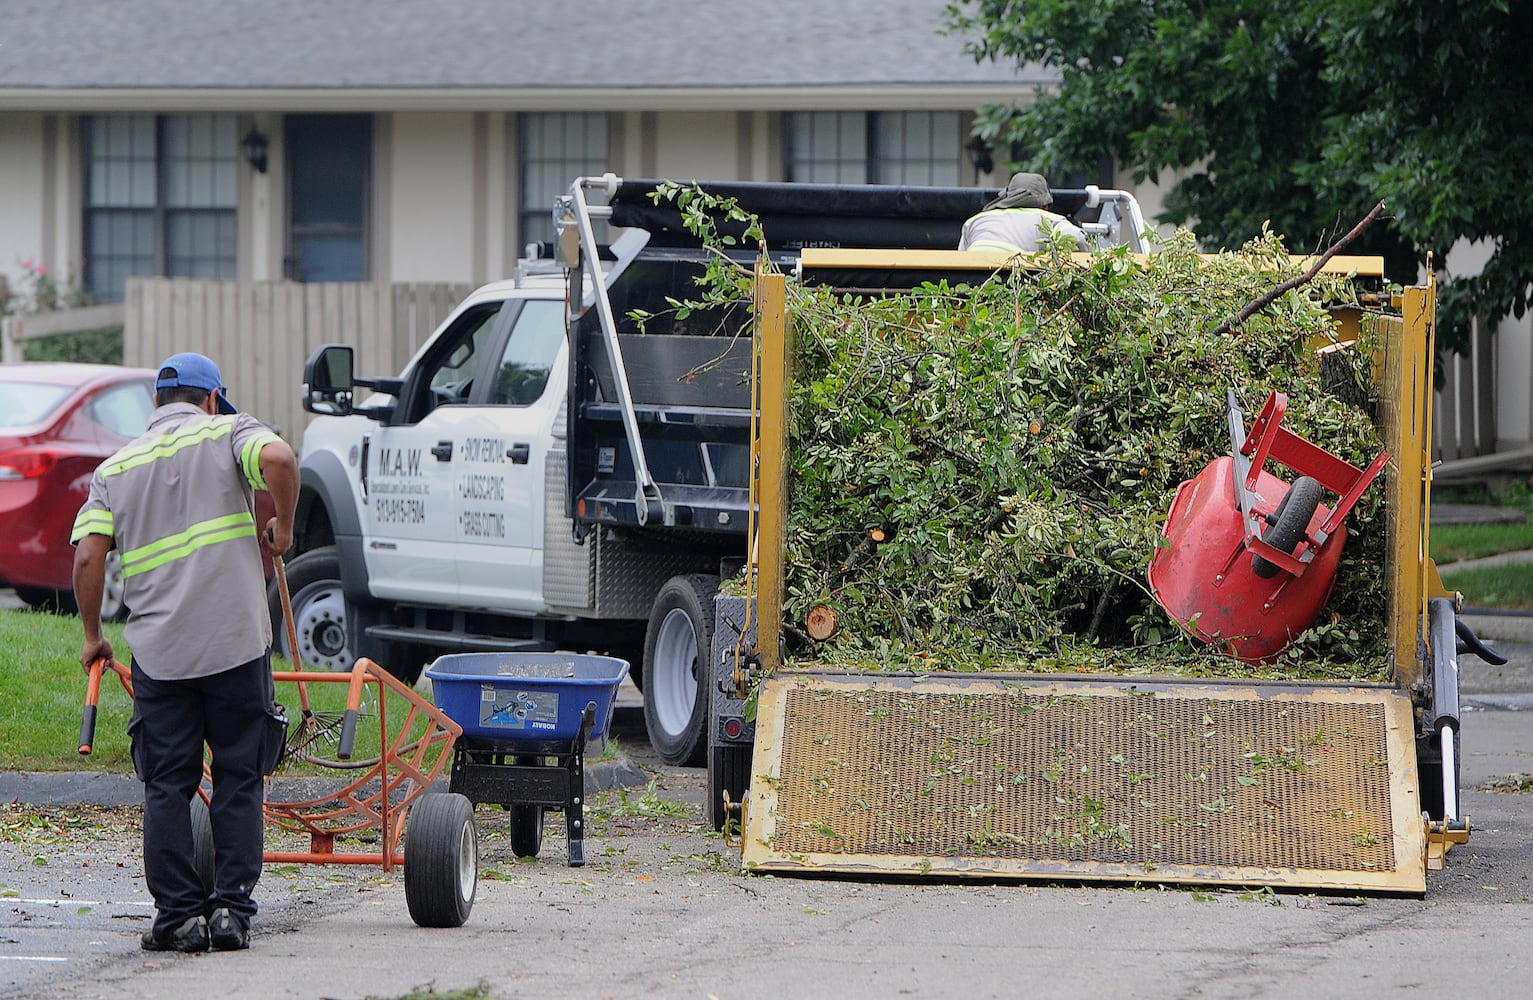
x=961, y=775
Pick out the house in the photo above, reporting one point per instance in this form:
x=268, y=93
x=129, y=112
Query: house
x=403, y=141
x=412, y=141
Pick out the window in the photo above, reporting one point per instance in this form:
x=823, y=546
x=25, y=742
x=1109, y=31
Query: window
x=124, y=409
x=530, y=352
x=328, y=165
x=452, y=376
x=877, y=147
x=160, y=198
x=555, y=149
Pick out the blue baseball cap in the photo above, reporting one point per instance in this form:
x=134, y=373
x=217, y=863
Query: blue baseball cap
x=195, y=371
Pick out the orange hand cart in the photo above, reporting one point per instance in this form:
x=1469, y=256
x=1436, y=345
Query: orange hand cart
x=438, y=847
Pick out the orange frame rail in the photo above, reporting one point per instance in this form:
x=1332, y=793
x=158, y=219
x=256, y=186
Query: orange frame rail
x=377, y=799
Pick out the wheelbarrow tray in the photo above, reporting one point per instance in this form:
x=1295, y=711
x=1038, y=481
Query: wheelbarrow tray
x=529, y=698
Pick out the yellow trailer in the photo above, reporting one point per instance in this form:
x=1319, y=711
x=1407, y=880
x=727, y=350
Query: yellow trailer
x=1143, y=779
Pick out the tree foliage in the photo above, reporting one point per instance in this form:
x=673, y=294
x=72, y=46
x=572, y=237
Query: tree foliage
x=1304, y=116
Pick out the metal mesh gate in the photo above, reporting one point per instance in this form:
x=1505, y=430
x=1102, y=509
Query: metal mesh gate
x=1278, y=784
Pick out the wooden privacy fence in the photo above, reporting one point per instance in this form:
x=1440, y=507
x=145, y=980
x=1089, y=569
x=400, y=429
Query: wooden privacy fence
x=261, y=332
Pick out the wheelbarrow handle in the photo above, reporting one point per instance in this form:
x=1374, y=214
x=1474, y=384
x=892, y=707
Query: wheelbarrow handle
x=92, y=698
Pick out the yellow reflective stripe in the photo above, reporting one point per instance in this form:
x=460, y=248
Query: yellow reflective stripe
x=184, y=543
x=995, y=245
x=168, y=445
x=251, y=459
x=91, y=522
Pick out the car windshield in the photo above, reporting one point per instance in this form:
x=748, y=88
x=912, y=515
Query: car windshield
x=25, y=403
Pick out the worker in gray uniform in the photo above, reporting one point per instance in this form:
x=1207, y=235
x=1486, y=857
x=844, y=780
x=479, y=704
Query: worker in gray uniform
x=178, y=505
x=1017, y=221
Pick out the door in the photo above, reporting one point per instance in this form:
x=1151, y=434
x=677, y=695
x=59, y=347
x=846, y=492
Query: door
x=499, y=463
x=411, y=514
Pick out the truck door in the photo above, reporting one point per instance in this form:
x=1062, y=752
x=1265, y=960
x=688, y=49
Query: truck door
x=411, y=517
x=498, y=468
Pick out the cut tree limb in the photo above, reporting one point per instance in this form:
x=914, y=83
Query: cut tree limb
x=1257, y=305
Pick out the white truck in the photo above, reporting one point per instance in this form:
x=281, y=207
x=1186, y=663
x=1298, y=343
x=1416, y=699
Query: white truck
x=548, y=473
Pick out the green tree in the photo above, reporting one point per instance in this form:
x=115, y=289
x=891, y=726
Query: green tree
x=1305, y=116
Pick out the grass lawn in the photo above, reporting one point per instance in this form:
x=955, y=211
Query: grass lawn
x=1493, y=586
x=45, y=695
x=1454, y=542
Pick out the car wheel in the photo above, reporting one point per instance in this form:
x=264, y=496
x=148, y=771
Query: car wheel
x=677, y=649
x=112, y=606
x=44, y=599
x=319, y=611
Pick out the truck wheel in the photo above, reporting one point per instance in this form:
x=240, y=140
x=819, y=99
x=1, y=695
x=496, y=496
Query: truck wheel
x=677, y=648
x=319, y=611
x=1289, y=523
x=729, y=770
x=441, y=860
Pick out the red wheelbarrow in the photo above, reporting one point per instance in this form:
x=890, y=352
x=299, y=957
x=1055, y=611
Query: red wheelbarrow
x=1248, y=561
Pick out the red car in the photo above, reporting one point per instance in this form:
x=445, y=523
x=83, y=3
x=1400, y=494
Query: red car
x=57, y=422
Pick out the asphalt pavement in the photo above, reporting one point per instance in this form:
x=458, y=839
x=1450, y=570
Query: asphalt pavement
x=662, y=910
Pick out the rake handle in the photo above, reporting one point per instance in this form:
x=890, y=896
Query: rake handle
x=287, y=610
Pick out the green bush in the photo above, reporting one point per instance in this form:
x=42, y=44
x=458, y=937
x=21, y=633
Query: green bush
x=102, y=347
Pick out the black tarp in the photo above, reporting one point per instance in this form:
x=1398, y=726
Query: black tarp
x=796, y=216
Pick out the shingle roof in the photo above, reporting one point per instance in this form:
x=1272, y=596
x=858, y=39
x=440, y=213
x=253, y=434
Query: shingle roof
x=71, y=45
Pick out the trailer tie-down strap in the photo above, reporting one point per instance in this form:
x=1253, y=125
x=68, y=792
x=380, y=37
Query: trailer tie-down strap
x=1103, y=779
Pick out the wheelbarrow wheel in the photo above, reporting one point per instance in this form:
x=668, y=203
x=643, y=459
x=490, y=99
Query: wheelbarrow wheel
x=526, y=829
x=1289, y=523
x=203, y=858
x=441, y=860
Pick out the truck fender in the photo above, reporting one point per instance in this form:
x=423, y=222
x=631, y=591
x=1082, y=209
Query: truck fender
x=324, y=480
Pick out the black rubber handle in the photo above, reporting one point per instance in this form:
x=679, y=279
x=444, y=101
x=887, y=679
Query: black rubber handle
x=87, y=729
x=348, y=735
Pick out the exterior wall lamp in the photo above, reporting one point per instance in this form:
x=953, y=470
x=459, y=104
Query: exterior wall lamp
x=981, y=155
x=254, y=147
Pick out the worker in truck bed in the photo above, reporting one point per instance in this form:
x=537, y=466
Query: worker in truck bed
x=1018, y=221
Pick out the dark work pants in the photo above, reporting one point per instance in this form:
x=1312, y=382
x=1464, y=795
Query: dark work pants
x=171, y=721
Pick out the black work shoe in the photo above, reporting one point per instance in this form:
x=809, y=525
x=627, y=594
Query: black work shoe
x=190, y=936
x=228, y=932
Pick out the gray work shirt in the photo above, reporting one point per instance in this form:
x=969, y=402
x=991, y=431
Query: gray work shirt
x=179, y=503
x=1016, y=230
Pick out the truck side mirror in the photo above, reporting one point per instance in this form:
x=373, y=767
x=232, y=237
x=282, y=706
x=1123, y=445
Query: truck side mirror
x=327, y=381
